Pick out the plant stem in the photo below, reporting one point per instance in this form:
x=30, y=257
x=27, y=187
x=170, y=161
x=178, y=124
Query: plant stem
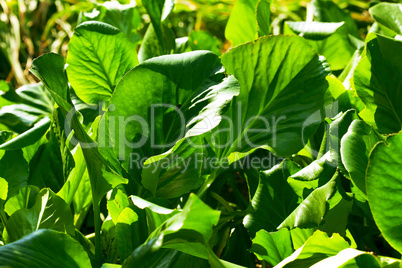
x=204, y=187
x=323, y=145
x=2, y=215
x=97, y=223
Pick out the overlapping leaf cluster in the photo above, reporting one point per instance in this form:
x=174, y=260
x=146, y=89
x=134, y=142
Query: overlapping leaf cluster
x=70, y=195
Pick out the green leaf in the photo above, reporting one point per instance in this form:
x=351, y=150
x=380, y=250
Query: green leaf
x=159, y=39
x=329, y=39
x=59, y=122
x=337, y=129
x=126, y=18
x=160, y=82
x=236, y=247
x=384, y=185
x=356, y=146
x=272, y=247
x=46, y=168
x=189, y=219
x=300, y=236
x=116, y=203
x=263, y=14
x=167, y=97
x=4, y=189
x=320, y=168
x=14, y=169
x=77, y=188
x=378, y=84
x=155, y=214
x=158, y=11
x=148, y=255
x=274, y=67
x=49, y=212
x=98, y=57
x=27, y=106
x=347, y=256
x=312, y=210
x=328, y=11
x=43, y=67
x=336, y=218
x=25, y=198
x=174, y=175
x=185, y=231
x=44, y=249
x=318, y=247
x=48, y=63
x=110, y=265
x=151, y=46
x=108, y=241
x=273, y=201
x=127, y=233
x=200, y=40
x=242, y=26
x=314, y=30
x=388, y=15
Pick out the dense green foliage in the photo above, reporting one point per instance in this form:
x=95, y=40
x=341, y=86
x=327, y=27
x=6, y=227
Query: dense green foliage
x=200, y=134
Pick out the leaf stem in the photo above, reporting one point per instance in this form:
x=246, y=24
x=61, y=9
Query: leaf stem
x=323, y=145
x=3, y=216
x=97, y=222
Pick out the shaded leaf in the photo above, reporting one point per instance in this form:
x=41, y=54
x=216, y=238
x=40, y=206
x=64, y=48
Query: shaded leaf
x=44, y=249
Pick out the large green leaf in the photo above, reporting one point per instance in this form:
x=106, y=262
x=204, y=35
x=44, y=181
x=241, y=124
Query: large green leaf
x=378, y=84
x=314, y=30
x=46, y=166
x=155, y=214
x=28, y=137
x=14, y=169
x=77, y=188
x=352, y=257
x=329, y=39
x=263, y=14
x=44, y=249
x=288, y=114
x=384, y=185
x=151, y=46
x=272, y=247
x=273, y=201
x=126, y=18
x=318, y=247
x=320, y=168
x=158, y=11
x=169, y=93
x=25, y=198
x=98, y=57
x=49, y=212
x=236, y=247
x=185, y=231
x=312, y=210
x=163, y=83
x=4, y=189
x=328, y=11
x=201, y=40
x=43, y=67
x=25, y=107
x=337, y=129
x=242, y=25
x=282, y=121
x=356, y=146
x=127, y=233
x=388, y=15
x=159, y=39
